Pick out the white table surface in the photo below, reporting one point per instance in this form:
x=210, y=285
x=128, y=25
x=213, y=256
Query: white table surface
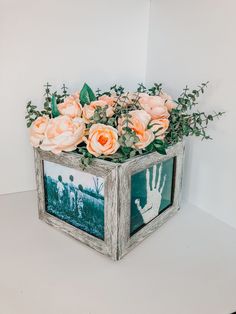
x=187, y=267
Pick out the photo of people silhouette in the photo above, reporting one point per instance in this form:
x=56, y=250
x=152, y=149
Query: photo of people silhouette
x=75, y=197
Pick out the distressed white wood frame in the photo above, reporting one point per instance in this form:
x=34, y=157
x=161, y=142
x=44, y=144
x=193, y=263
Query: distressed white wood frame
x=125, y=240
x=100, y=168
x=117, y=198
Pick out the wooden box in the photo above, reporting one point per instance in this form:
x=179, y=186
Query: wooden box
x=110, y=207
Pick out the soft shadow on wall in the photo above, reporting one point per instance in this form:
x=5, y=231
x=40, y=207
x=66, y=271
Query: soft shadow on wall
x=191, y=42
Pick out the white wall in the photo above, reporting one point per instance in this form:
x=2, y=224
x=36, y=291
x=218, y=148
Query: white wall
x=105, y=41
x=191, y=42
x=71, y=41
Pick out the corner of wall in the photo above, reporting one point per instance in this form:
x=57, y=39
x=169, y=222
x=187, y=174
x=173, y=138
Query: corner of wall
x=147, y=40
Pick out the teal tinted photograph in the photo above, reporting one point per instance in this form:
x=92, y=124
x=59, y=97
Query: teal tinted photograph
x=151, y=193
x=75, y=197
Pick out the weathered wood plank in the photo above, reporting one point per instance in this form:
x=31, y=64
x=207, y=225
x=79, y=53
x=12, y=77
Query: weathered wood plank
x=117, y=198
x=99, y=168
x=125, y=242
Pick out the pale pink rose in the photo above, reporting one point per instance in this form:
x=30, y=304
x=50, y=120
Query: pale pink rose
x=139, y=121
x=169, y=103
x=63, y=134
x=37, y=130
x=159, y=127
x=102, y=140
x=154, y=105
x=145, y=139
x=71, y=106
x=76, y=96
x=109, y=100
x=89, y=110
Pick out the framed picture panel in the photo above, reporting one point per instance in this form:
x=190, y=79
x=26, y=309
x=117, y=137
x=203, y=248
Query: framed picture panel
x=80, y=203
x=150, y=186
x=108, y=206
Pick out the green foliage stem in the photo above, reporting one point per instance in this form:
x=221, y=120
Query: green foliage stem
x=183, y=120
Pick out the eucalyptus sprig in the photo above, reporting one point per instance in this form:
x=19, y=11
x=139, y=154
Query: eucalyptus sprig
x=128, y=138
x=86, y=158
x=118, y=89
x=32, y=113
x=155, y=90
x=62, y=96
x=188, y=99
x=182, y=120
x=49, y=98
x=187, y=124
x=141, y=88
x=64, y=91
x=100, y=115
x=47, y=101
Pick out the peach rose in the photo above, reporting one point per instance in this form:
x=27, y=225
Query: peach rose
x=109, y=100
x=76, y=96
x=37, y=130
x=63, y=134
x=169, y=103
x=156, y=124
x=139, y=121
x=154, y=105
x=102, y=140
x=71, y=106
x=89, y=110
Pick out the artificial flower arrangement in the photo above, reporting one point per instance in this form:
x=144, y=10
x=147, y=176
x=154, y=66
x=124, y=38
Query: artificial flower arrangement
x=115, y=125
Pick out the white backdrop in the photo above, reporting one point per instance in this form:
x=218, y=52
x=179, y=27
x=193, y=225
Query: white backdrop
x=61, y=41
x=107, y=41
x=191, y=42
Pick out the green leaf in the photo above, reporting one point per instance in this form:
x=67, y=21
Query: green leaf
x=55, y=111
x=86, y=95
x=210, y=117
x=160, y=150
x=160, y=146
x=132, y=153
x=159, y=142
x=149, y=148
x=125, y=150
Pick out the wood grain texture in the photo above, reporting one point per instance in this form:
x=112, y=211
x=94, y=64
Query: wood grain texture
x=111, y=212
x=125, y=242
x=99, y=168
x=117, y=198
